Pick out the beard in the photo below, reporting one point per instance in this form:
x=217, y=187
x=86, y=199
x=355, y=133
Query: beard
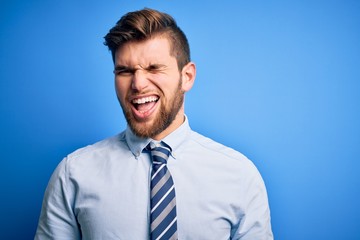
x=165, y=116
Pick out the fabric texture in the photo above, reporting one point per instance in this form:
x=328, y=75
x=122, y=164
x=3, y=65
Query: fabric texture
x=102, y=191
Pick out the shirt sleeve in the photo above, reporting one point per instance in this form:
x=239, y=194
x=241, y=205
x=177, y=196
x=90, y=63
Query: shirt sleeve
x=255, y=223
x=57, y=218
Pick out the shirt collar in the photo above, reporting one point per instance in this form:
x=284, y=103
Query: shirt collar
x=173, y=140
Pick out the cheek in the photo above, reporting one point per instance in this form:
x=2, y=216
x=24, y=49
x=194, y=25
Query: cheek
x=121, y=88
x=171, y=86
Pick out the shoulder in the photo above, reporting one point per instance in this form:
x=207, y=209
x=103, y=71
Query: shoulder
x=212, y=154
x=210, y=145
x=86, y=162
x=100, y=150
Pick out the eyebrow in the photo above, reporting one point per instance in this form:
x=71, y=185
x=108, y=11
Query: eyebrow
x=122, y=68
x=155, y=66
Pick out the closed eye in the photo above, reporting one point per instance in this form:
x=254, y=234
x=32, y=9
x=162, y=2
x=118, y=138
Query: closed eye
x=127, y=71
x=123, y=71
x=154, y=68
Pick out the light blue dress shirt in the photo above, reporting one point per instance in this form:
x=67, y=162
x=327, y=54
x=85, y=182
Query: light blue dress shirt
x=102, y=191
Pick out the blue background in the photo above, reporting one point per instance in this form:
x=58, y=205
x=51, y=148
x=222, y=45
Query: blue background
x=278, y=81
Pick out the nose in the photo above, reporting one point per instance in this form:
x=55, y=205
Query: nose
x=139, y=80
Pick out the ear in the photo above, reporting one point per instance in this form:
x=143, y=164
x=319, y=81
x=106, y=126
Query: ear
x=188, y=74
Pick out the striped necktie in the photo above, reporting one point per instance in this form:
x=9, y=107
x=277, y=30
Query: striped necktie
x=162, y=202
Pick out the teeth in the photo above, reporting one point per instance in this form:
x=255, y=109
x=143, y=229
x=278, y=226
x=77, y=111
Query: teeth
x=145, y=100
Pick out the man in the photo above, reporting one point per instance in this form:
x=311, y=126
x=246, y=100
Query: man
x=158, y=179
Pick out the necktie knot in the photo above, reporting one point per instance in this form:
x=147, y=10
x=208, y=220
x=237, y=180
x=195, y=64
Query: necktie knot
x=159, y=154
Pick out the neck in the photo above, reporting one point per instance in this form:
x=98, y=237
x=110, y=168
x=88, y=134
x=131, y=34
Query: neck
x=178, y=121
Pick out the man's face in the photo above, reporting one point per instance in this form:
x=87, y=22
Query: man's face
x=149, y=87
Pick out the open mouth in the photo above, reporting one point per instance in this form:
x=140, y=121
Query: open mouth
x=144, y=105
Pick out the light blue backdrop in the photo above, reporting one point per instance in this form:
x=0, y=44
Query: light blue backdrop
x=277, y=80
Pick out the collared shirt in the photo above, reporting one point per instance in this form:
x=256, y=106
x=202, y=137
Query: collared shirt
x=102, y=191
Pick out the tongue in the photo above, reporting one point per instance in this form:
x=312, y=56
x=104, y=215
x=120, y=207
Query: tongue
x=145, y=106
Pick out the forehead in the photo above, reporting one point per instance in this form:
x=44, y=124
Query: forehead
x=153, y=50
